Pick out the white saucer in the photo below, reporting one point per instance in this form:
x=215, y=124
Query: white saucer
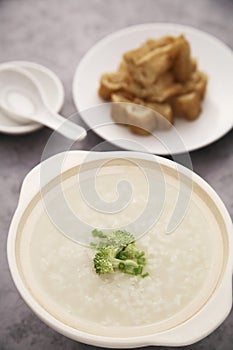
x=214, y=58
x=53, y=91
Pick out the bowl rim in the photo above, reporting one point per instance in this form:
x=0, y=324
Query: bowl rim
x=177, y=336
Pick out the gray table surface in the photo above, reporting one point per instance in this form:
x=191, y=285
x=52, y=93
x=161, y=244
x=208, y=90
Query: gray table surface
x=57, y=34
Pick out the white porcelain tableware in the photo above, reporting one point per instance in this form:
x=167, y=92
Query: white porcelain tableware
x=51, y=87
x=214, y=302
x=214, y=58
x=22, y=100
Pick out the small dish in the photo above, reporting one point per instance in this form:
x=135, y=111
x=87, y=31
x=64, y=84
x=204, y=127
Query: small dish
x=53, y=91
x=214, y=58
x=214, y=303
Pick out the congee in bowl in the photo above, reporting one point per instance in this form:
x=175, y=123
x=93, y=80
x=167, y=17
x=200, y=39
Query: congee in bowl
x=183, y=268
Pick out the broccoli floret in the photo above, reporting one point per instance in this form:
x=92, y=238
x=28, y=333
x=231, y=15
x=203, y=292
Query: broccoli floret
x=119, y=238
x=117, y=251
x=130, y=267
x=106, y=261
x=131, y=252
x=103, y=260
x=98, y=233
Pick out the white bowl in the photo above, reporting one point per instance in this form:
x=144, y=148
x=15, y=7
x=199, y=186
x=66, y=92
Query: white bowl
x=53, y=91
x=216, y=304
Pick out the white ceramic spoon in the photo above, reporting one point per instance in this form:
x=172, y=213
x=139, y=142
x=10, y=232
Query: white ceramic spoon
x=21, y=99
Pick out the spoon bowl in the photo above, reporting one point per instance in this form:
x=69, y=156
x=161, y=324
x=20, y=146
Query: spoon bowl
x=21, y=99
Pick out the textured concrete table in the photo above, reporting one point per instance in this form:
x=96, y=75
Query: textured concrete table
x=57, y=34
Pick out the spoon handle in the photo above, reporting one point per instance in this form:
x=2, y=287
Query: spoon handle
x=63, y=126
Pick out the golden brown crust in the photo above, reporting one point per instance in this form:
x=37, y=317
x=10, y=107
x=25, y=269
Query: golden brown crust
x=164, y=109
x=164, y=88
x=134, y=56
x=187, y=106
x=197, y=82
x=136, y=130
x=183, y=65
x=160, y=75
x=202, y=84
x=147, y=64
x=141, y=117
x=109, y=83
x=118, y=108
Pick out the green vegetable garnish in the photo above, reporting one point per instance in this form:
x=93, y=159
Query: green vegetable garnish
x=117, y=251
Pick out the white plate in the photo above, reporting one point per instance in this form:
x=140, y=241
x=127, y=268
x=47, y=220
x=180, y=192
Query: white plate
x=53, y=90
x=214, y=58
